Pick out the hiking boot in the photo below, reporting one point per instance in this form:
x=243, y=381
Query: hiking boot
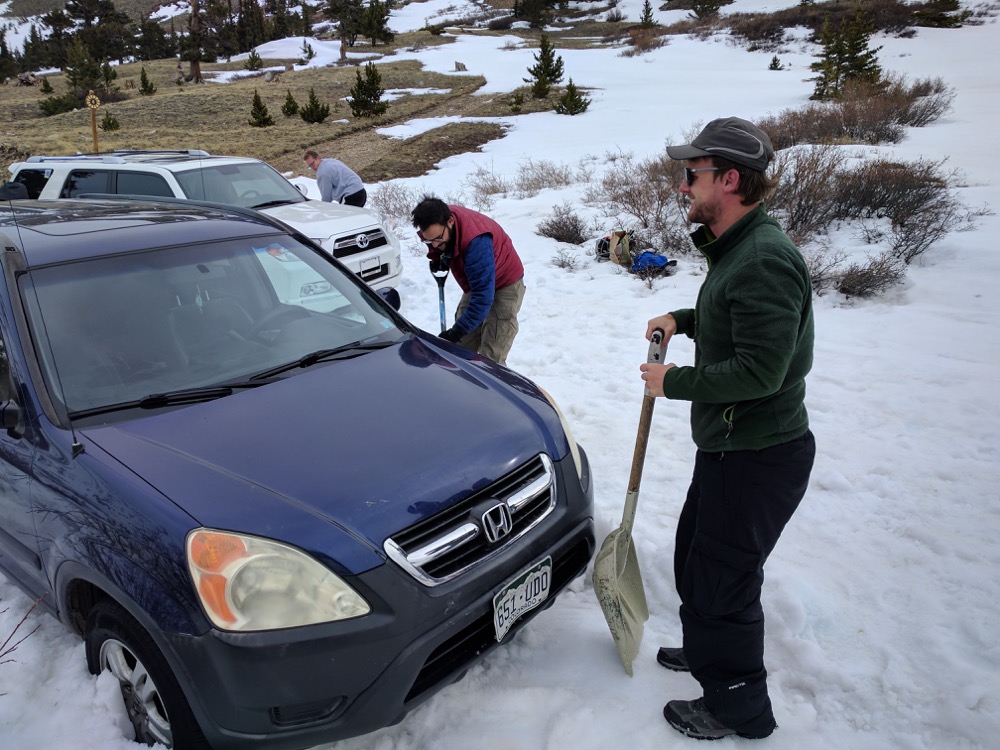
x=694, y=719
x=673, y=658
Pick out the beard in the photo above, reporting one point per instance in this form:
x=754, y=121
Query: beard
x=703, y=211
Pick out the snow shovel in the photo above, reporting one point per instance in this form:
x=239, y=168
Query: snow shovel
x=440, y=277
x=617, y=580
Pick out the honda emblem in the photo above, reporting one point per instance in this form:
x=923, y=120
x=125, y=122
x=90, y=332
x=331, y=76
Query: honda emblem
x=497, y=522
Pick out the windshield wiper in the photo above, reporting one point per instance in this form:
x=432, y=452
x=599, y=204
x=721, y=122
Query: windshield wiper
x=269, y=204
x=347, y=351
x=172, y=398
x=195, y=395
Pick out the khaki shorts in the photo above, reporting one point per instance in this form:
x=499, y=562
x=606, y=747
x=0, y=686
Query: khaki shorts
x=495, y=336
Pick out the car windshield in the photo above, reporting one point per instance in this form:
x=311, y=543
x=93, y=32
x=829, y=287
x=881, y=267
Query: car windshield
x=247, y=185
x=118, y=329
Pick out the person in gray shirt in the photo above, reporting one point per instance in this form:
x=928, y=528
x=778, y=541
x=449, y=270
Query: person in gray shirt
x=337, y=182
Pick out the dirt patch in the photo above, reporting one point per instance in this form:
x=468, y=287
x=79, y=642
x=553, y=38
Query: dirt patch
x=418, y=155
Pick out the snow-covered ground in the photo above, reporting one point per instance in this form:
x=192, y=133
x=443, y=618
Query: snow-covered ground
x=882, y=598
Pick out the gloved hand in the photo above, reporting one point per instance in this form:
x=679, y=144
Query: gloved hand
x=452, y=335
x=439, y=264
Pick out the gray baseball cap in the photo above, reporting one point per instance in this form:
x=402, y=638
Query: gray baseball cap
x=731, y=138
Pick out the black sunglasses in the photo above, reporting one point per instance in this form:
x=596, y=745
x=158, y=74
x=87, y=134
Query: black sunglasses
x=689, y=173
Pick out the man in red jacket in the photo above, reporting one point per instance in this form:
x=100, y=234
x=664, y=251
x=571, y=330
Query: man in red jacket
x=482, y=258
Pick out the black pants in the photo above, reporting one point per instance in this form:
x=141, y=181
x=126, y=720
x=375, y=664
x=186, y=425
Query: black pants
x=358, y=199
x=736, y=508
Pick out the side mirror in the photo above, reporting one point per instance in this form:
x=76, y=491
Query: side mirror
x=391, y=297
x=13, y=191
x=10, y=415
x=301, y=188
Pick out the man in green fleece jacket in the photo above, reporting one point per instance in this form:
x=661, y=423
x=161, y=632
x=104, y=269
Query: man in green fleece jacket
x=753, y=332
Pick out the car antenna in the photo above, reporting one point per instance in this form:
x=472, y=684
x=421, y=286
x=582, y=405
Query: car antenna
x=11, y=191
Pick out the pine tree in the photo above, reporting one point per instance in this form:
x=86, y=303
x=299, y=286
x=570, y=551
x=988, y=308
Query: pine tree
x=366, y=94
x=547, y=70
x=845, y=56
x=646, y=20
x=572, y=102
x=110, y=122
x=537, y=13
x=374, y=22
x=941, y=14
x=259, y=116
x=775, y=64
x=348, y=14
x=83, y=73
x=314, y=112
x=290, y=107
x=253, y=61
x=108, y=76
x=146, y=88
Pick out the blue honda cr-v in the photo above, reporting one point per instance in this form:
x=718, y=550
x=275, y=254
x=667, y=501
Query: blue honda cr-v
x=277, y=512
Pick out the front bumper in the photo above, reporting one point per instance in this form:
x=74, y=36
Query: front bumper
x=300, y=687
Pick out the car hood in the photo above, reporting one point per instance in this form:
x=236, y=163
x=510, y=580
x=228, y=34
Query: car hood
x=363, y=447
x=318, y=219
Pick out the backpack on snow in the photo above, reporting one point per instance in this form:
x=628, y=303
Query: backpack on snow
x=616, y=247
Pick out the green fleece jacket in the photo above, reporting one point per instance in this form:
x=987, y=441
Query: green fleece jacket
x=753, y=332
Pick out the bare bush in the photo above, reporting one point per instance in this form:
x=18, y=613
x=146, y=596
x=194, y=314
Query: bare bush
x=564, y=225
x=485, y=185
x=393, y=201
x=645, y=190
x=873, y=277
x=533, y=176
x=914, y=197
x=760, y=31
x=9, y=645
x=565, y=258
x=926, y=101
x=643, y=40
x=817, y=122
x=824, y=265
x=868, y=115
x=865, y=113
x=806, y=199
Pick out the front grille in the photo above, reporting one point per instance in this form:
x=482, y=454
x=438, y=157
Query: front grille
x=441, y=547
x=359, y=242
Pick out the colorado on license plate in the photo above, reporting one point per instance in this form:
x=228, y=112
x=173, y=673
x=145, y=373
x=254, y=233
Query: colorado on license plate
x=521, y=595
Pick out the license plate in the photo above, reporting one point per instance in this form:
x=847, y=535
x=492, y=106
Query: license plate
x=521, y=595
x=370, y=267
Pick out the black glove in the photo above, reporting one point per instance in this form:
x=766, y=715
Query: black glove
x=452, y=335
x=439, y=264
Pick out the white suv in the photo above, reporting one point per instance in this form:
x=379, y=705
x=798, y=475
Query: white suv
x=355, y=236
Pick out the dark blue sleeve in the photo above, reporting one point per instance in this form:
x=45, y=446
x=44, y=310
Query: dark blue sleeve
x=480, y=270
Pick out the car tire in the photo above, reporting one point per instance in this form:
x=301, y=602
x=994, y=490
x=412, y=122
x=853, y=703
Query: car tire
x=156, y=706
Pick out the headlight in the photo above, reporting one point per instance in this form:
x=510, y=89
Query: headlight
x=569, y=434
x=247, y=583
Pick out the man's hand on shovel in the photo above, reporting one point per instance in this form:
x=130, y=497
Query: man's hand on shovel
x=652, y=370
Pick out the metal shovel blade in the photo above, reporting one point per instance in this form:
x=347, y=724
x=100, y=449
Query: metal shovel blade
x=619, y=589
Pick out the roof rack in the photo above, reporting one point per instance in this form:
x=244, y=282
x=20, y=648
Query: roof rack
x=119, y=156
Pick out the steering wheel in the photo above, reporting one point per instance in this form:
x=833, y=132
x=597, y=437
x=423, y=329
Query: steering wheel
x=276, y=319
x=250, y=194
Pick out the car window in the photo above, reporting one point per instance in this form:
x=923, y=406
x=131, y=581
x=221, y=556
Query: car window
x=34, y=180
x=86, y=181
x=142, y=183
x=247, y=185
x=118, y=328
